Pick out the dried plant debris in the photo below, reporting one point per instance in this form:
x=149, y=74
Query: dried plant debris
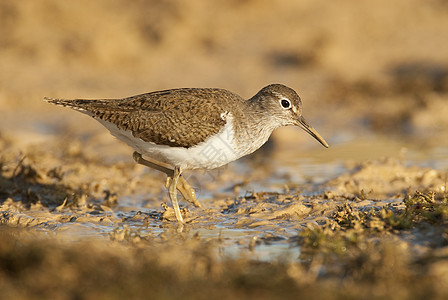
x=80, y=220
x=348, y=243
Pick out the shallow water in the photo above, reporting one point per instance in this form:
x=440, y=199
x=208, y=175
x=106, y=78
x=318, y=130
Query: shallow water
x=239, y=228
x=257, y=239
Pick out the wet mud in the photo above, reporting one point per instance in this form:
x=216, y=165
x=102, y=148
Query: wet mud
x=366, y=218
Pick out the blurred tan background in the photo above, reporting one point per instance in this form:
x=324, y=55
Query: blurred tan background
x=373, y=76
x=359, y=66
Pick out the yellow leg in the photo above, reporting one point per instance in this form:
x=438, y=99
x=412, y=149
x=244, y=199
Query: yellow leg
x=186, y=190
x=183, y=187
x=172, y=190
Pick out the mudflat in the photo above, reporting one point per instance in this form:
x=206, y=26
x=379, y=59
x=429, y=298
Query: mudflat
x=365, y=218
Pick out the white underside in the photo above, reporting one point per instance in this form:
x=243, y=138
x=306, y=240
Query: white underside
x=214, y=152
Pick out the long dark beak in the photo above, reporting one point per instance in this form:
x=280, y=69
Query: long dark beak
x=308, y=128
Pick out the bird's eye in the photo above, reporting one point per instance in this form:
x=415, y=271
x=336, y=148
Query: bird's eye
x=285, y=103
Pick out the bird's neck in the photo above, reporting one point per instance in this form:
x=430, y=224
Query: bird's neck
x=257, y=127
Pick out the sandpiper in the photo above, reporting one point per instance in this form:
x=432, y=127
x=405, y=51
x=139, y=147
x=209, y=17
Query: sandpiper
x=194, y=128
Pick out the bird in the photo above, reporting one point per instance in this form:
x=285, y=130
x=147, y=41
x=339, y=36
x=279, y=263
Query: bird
x=194, y=128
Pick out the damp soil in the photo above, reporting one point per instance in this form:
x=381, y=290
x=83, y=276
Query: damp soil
x=76, y=225
x=366, y=218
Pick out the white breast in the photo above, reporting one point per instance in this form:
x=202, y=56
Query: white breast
x=214, y=152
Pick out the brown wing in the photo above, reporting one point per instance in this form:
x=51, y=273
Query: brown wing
x=180, y=118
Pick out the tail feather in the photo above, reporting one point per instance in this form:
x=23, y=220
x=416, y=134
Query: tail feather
x=79, y=105
x=61, y=102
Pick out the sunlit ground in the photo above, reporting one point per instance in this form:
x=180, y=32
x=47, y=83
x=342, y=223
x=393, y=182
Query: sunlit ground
x=366, y=217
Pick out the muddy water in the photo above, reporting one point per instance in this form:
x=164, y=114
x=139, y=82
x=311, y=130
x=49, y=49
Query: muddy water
x=252, y=210
x=80, y=220
x=254, y=207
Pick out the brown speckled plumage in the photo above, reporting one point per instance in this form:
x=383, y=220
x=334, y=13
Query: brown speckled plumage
x=195, y=128
x=178, y=117
x=186, y=117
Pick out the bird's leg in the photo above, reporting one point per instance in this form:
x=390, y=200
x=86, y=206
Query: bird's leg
x=174, y=175
x=188, y=192
x=152, y=164
x=184, y=188
x=172, y=190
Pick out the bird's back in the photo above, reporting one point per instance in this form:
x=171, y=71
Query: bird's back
x=178, y=117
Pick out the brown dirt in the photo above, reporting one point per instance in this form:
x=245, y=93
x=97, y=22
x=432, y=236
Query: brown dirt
x=366, y=218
